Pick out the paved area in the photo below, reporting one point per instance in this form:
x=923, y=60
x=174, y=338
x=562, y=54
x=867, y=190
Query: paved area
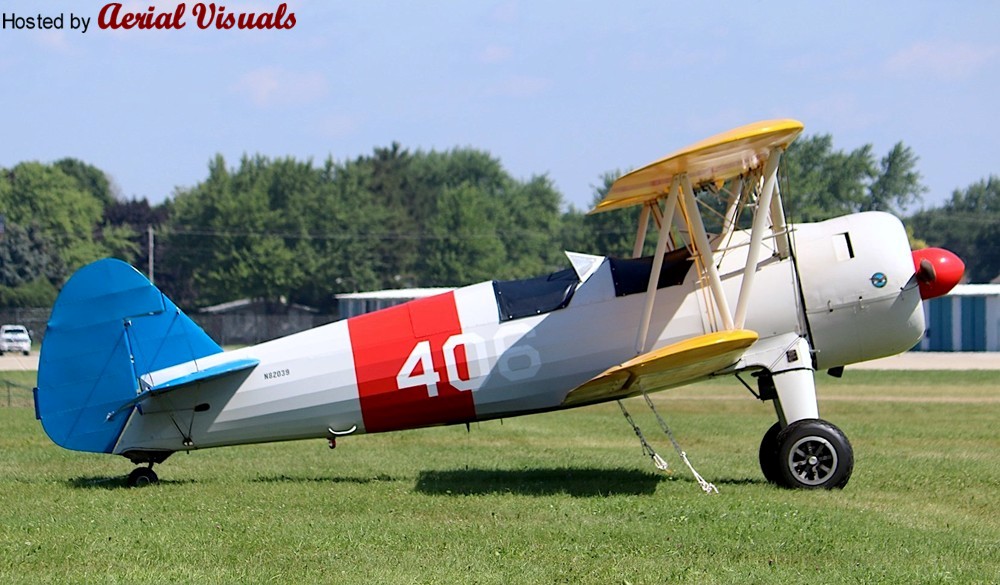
x=928, y=360
x=913, y=360
x=16, y=361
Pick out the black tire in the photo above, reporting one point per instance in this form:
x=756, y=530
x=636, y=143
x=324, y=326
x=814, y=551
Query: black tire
x=27, y=352
x=813, y=454
x=768, y=454
x=141, y=476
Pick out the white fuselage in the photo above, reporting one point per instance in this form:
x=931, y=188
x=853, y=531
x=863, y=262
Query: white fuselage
x=451, y=358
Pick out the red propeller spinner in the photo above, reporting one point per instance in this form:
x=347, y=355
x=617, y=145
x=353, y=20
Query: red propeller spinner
x=938, y=271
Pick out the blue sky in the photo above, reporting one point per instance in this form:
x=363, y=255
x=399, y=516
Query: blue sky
x=567, y=89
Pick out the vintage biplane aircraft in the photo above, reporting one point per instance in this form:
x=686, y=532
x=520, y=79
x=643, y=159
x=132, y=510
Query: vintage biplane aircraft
x=732, y=288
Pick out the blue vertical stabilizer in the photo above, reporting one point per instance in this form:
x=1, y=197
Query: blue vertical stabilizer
x=109, y=326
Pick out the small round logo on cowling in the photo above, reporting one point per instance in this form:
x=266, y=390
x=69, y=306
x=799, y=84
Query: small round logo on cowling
x=879, y=279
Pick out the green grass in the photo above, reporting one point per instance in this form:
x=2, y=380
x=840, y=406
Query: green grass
x=555, y=498
x=15, y=388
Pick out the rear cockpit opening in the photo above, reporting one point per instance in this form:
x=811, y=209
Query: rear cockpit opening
x=534, y=296
x=529, y=297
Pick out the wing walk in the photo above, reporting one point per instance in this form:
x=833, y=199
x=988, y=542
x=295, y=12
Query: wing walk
x=673, y=365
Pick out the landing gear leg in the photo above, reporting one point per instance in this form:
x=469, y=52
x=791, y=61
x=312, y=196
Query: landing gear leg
x=142, y=476
x=801, y=450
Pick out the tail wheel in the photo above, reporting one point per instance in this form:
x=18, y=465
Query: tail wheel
x=813, y=454
x=141, y=476
x=769, y=454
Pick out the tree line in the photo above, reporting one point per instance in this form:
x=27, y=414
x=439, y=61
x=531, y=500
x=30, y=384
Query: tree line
x=288, y=230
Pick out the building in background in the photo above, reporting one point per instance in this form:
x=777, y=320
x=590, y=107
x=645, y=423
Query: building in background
x=251, y=321
x=966, y=319
x=354, y=304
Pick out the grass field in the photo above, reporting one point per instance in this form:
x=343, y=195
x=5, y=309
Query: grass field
x=555, y=498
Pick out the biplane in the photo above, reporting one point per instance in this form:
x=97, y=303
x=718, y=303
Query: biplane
x=732, y=289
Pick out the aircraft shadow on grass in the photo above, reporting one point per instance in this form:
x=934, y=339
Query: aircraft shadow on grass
x=113, y=482
x=285, y=478
x=103, y=482
x=576, y=482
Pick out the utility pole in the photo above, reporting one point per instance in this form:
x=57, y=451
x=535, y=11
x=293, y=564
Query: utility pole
x=149, y=231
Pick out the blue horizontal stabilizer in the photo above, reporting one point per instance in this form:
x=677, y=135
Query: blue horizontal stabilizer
x=206, y=374
x=187, y=380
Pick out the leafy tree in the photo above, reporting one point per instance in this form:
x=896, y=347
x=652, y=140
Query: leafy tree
x=969, y=225
x=285, y=228
x=460, y=246
x=54, y=218
x=277, y=229
x=390, y=179
x=39, y=292
x=574, y=233
x=898, y=183
x=120, y=241
x=353, y=236
x=528, y=222
x=231, y=233
x=613, y=232
x=188, y=236
x=65, y=213
x=89, y=178
x=124, y=230
x=821, y=182
x=27, y=253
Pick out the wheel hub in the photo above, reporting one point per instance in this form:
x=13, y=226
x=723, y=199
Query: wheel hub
x=812, y=460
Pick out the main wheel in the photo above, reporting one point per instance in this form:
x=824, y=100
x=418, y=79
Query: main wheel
x=813, y=454
x=768, y=455
x=141, y=476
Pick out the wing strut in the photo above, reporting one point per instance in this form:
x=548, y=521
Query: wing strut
x=704, y=249
x=778, y=225
x=666, y=221
x=757, y=234
x=640, y=236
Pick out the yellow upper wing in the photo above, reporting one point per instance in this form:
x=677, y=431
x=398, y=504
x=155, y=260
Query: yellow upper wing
x=714, y=159
x=673, y=365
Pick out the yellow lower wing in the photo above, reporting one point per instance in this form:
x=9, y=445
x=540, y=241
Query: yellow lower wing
x=674, y=365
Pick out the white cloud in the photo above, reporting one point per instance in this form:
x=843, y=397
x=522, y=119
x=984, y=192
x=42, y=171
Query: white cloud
x=272, y=86
x=339, y=125
x=520, y=86
x=942, y=60
x=675, y=59
x=506, y=12
x=843, y=111
x=495, y=54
